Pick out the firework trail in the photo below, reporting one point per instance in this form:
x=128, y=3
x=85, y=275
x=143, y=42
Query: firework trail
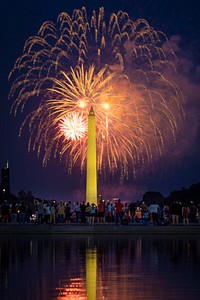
x=120, y=67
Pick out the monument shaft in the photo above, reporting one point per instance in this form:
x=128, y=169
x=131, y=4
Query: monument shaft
x=91, y=180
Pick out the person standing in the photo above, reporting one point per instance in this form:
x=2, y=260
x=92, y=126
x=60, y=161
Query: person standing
x=47, y=212
x=93, y=211
x=193, y=213
x=175, y=210
x=61, y=212
x=67, y=213
x=83, y=209
x=145, y=213
x=185, y=213
x=154, y=209
x=87, y=213
x=132, y=209
x=109, y=212
x=165, y=212
x=22, y=213
x=77, y=211
x=53, y=214
x=40, y=212
x=118, y=212
x=101, y=212
x=180, y=215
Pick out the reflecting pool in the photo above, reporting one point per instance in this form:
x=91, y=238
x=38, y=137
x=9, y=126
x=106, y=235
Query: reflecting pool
x=99, y=267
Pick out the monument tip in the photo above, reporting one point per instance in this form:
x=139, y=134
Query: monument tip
x=91, y=113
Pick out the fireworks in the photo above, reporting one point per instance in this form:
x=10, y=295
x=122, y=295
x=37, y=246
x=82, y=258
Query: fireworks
x=122, y=68
x=73, y=126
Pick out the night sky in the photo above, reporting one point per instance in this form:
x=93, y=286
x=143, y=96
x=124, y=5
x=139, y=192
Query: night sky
x=180, y=21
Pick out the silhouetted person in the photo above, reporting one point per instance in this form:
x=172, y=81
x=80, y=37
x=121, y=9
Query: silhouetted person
x=154, y=210
x=132, y=208
x=22, y=213
x=119, y=212
x=175, y=210
x=193, y=213
x=83, y=212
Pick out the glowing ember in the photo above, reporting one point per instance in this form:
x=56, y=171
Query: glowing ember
x=73, y=126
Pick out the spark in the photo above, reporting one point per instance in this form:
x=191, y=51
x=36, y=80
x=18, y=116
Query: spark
x=123, y=68
x=73, y=126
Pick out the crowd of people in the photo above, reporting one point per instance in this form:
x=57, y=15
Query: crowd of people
x=117, y=212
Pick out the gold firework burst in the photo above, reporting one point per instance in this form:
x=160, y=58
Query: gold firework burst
x=120, y=67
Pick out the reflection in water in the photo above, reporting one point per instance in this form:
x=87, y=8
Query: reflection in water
x=99, y=267
x=76, y=288
x=91, y=273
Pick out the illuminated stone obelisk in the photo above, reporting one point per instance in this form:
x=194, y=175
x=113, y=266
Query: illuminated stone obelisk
x=91, y=177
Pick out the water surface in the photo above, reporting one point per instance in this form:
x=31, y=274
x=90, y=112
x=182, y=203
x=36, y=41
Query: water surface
x=99, y=267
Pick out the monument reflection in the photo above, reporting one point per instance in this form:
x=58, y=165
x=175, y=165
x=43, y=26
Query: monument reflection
x=76, y=289
x=99, y=267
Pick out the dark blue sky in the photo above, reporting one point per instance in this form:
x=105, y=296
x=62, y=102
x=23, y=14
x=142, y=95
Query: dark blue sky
x=178, y=19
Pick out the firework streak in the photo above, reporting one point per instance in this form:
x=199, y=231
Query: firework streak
x=122, y=68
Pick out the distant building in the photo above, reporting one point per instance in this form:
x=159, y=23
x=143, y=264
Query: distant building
x=5, y=183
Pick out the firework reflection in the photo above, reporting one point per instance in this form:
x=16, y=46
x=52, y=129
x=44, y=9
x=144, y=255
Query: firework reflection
x=76, y=289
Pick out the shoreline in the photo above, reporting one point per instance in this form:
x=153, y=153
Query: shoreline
x=193, y=229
